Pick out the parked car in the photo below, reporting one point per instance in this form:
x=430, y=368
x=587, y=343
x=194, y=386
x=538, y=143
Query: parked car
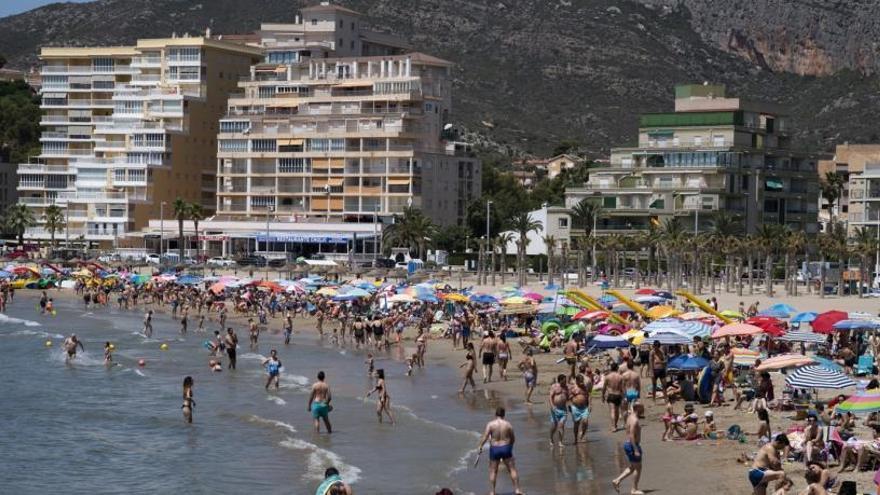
x=221, y=262
x=383, y=263
x=252, y=260
x=153, y=259
x=277, y=262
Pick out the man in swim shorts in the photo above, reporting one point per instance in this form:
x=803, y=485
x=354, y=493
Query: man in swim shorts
x=319, y=403
x=529, y=369
x=558, y=399
x=633, y=449
x=499, y=434
x=612, y=393
x=632, y=384
x=766, y=468
x=70, y=344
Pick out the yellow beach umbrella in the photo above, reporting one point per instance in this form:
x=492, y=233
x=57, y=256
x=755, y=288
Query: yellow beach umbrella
x=455, y=296
x=658, y=312
x=516, y=300
x=326, y=291
x=729, y=313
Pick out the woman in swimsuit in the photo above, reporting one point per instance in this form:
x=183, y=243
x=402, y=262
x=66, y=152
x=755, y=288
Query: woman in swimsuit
x=503, y=349
x=384, y=404
x=421, y=347
x=470, y=366
x=188, y=402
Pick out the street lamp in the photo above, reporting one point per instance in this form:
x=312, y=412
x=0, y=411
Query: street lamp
x=327, y=192
x=375, y=234
x=161, y=227
x=269, y=211
x=488, y=238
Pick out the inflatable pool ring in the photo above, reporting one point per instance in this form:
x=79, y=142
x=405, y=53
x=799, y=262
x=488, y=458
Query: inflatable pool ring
x=572, y=329
x=550, y=326
x=545, y=342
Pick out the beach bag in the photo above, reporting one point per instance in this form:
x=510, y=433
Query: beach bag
x=734, y=432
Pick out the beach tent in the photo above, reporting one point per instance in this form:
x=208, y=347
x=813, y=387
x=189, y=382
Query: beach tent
x=824, y=322
x=687, y=362
x=783, y=361
x=818, y=377
x=862, y=402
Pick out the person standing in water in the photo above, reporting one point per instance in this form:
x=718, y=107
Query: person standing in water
x=70, y=344
x=612, y=393
x=469, y=366
x=633, y=449
x=529, y=368
x=254, y=331
x=558, y=399
x=148, y=323
x=44, y=298
x=231, y=345
x=384, y=404
x=288, y=326
x=319, y=404
x=488, y=347
x=188, y=402
x=108, y=353
x=499, y=434
x=273, y=368
x=184, y=320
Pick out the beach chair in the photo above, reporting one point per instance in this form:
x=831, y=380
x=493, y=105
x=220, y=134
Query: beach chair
x=865, y=365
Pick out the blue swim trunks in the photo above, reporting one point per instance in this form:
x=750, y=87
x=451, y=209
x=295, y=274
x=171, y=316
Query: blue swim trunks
x=499, y=452
x=756, y=476
x=632, y=394
x=557, y=415
x=633, y=452
x=320, y=410
x=579, y=414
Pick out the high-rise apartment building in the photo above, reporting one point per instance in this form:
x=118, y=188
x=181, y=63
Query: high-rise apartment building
x=127, y=129
x=859, y=203
x=712, y=153
x=338, y=123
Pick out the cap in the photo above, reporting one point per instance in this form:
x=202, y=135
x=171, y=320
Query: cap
x=708, y=414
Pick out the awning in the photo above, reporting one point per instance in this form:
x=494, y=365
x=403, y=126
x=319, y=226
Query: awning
x=290, y=142
x=284, y=103
x=54, y=95
x=315, y=237
x=398, y=182
x=330, y=163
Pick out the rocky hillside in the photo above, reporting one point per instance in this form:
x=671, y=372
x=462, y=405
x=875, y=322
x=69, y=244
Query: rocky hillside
x=532, y=73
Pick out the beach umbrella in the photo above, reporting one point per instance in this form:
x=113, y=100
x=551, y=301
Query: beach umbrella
x=666, y=338
x=783, y=361
x=455, y=297
x=735, y=329
x=687, y=362
x=783, y=307
x=775, y=313
x=689, y=329
x=768, y=324
x=818, y=377
x=622, y=308
x=589, y=314
x=827, y=363
x=664, y=294
x=862, y=402
x=646, y=292
x=607, y=299
x=607, y=342
x=650, y=300
x=824, y=322
x=327, y=291
x=357, y=292
x=534, y=296
x=856, y=325
x=694, y=315
x=567, y=310
x=515, y=300
x=745, y=357
x=805, y=317
x=729, y=313
x=633, y=333
x=806, y=337
x=401, y=298
x=484, y=299
x=662, y=312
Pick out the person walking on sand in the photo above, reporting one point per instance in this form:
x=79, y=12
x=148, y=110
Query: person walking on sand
x=487, y=351
x=529, y=368
x=273, y=368
x=612, y=393
x=470, y=367
x=558, y=400
x=381, y=389
x=658, y=368
x=188, y=402
x=319, y=404
x=633, y=449
x=499, y=434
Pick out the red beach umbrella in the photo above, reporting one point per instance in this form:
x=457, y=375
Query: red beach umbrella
x=824, y=322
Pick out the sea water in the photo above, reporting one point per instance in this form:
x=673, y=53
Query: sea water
x=83, y=427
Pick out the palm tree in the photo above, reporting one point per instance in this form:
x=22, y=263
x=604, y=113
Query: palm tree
x=196, y=214
x=53, y=221
x=523, y=225
x=550, y=242
x=865, y=243
x=794, y=244
x=502, y=240
x=412, y=230
x=832, y=189
x=585, y=214
x=770, y=236
x=725, y=228
x=18, y=219
x=181, y=211
x=672, y=238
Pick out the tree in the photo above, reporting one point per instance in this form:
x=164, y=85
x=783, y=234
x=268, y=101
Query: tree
x=585, y=214
x=18, y=219
x=412, y=230
x=451, y=238
x=771, y=237
x=196, y=214
x=565, y=146
x=865, y=244
x=181, y=211
x=832, y=189
x=550, y=241
x=523, y=225
x=19, y=122
x=502, y=240
x=53, y=221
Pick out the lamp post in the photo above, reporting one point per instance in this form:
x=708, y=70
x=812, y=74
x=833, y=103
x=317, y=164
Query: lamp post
x=327, y=193
x=161, y=227
x=269, y=210
x=488, y=238
x=67, y=226
x=375, y=234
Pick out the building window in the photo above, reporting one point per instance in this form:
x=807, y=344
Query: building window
x=563, y=223
x=263, y=145
x=314, y=22
x=352, y=26
x=609, y=202
x=341, y=24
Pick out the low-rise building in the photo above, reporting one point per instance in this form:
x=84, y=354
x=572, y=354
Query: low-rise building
x=712, y=153
x=555, y=221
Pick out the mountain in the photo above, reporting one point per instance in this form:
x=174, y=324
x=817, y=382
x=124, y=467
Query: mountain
x=532, y=73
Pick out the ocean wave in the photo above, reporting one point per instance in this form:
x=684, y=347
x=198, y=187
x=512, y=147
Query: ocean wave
x=318, y=459
x=82, y=358
x=271, y=422
x=18, y=321
x=409, y=412
x=253, y=355
x=463, y=463
x=277, y=400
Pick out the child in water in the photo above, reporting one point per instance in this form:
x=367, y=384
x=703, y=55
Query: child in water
x=369, y=363
x=108, y=350
x=50, y=307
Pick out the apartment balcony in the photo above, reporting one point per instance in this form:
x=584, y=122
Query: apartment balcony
x=146, y=62
x=63, y=136
x=60, y=153
x=100, y=197
x=110, y=146
x=69, y=69
x=146, y=79
x=40, y=168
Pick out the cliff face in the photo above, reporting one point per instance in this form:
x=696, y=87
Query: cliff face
x=807, y=37
x=531, y=73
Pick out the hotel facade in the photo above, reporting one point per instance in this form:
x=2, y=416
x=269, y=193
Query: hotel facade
x=128, y=129
x=713, y=153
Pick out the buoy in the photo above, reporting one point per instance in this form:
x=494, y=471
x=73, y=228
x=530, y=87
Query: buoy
x=141, y=363
x=48, y=343
x=112, y=347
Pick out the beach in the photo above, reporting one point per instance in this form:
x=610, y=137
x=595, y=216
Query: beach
x=126, y=420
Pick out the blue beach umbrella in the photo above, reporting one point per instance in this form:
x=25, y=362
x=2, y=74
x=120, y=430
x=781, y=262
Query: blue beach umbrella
x=783, y=307
x=775, y=313
x=607, y=299
x=827, y=363
x=484, y=299
x=856, y=325
x=805, y=317
x=686, y=362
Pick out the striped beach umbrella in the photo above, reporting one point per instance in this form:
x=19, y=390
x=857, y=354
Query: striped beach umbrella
x=818, y=377
x=668, y=338
x=806, y=337
x=745, y=357
x=735, y=329
x=863, y=402
x=783, y=361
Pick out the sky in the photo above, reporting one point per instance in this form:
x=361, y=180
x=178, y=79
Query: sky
x=9, y=7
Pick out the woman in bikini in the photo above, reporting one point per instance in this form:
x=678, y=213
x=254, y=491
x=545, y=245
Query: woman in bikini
x=384, y=404
x=503, y=349
x=470, y=366
x=188, y=402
